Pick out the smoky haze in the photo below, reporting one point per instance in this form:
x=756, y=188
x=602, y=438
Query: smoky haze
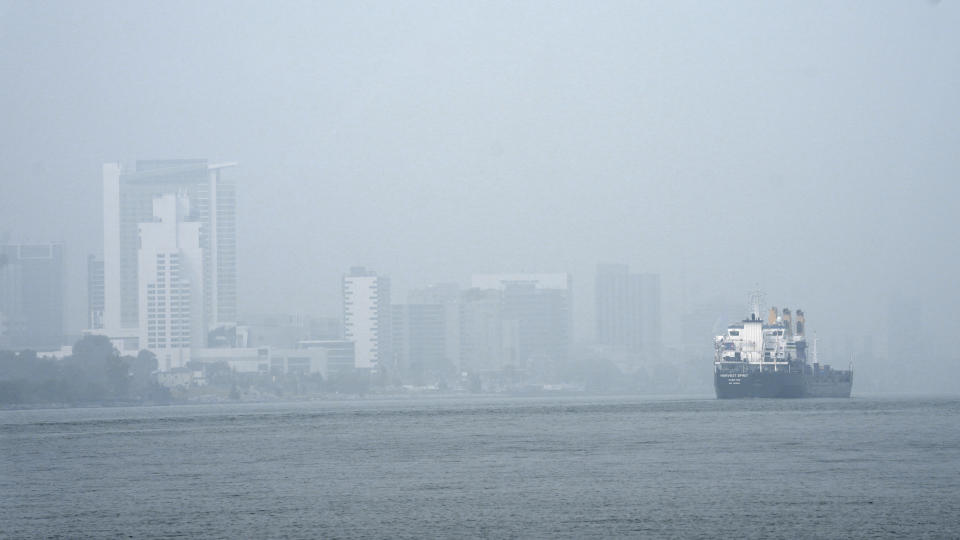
x=810, y=148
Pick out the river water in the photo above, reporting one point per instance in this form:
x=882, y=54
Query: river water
x=493, y=467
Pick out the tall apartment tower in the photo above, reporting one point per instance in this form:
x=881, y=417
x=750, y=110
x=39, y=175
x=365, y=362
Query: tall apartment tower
x=128, y=202
x=627, y=310
x=31, y=295
x=366, y=317
x=170, y=275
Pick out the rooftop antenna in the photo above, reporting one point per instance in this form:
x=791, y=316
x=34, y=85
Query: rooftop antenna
x=756, y=302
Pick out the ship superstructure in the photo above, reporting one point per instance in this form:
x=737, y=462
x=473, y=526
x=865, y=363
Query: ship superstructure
x=768, y=358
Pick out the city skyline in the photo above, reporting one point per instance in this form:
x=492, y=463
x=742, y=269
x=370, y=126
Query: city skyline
x=495, y=269
x=531, y=154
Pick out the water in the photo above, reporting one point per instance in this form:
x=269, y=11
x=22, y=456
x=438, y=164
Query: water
x=870, y=468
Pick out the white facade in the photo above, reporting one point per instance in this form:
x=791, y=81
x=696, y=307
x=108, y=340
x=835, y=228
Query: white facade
x=366, y=312
x=769, y=346
x=128, y=201
x=170, y=276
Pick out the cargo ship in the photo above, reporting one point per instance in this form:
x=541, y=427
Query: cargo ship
x=768, y=359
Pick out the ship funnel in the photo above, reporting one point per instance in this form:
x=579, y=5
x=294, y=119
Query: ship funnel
x=787, y=321
x=800, y=322
x=772, y=316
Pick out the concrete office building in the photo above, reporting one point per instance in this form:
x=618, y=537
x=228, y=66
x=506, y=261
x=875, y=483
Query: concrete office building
x=539, y=306
x=488, y=343
x=419, y=338
x=628, y=310
x=543, y=323
x=31, y=296
x=446, y=295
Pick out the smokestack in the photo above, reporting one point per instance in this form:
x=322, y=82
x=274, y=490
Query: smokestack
x=800, y=322
x=772, y=316
x=788, y=321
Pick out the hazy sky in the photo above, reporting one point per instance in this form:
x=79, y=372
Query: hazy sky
x=809, y=147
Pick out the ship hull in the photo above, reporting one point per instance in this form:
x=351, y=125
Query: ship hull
x=779, y=385
x=759, y=385
x=838, y=387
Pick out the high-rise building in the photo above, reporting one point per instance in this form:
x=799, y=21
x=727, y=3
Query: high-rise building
x=542, y=317
x=366, y=317
x=419, y=338
x=31, y=295
x=128, y=201
x=170, y=275
x=94, y=293
x=540, y=306
x=488, y=343
x=628, y=310
x=446, y=295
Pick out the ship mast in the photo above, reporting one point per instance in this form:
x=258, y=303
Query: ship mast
x=756, y=302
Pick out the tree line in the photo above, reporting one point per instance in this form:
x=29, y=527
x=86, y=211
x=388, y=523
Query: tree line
x=93, y=374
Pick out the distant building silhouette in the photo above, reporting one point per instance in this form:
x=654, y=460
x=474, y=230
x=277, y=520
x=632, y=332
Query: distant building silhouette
x=447, y=296
x=419, y=338
x=628, y=310
x=31, y=295
x=538, y=307
x=487, y=342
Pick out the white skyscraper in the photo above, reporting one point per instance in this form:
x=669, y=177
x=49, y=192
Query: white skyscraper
x=366, y=317
x=128, y=201
x=170, y=274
